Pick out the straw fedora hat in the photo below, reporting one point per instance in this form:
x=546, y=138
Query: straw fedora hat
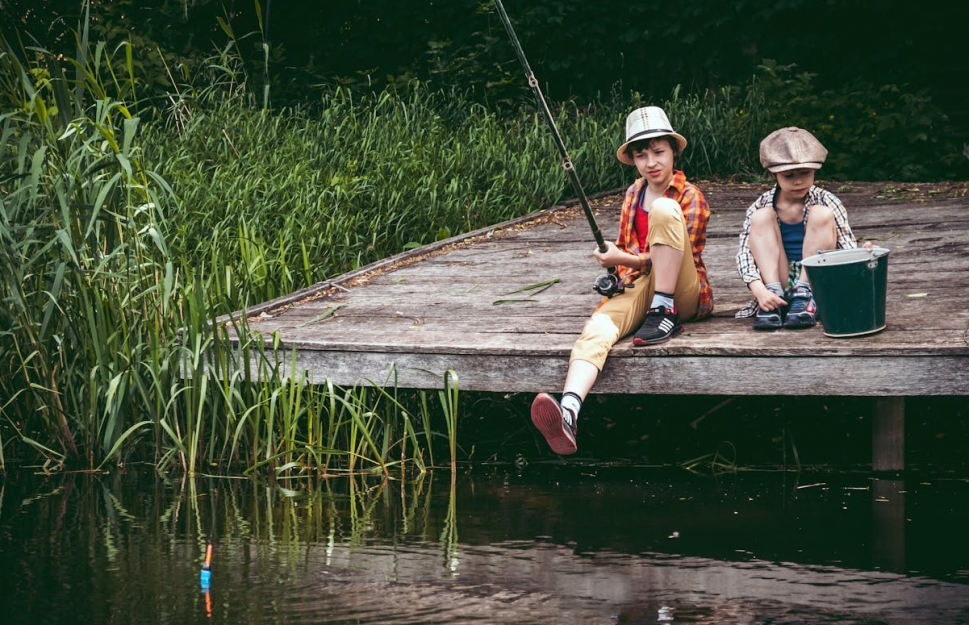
x=791, y=148
x=647, y=122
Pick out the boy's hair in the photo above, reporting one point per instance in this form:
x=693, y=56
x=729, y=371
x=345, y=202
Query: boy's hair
x=648, y=143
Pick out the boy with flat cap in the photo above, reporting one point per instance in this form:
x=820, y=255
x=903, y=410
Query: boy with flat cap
x=791, y=221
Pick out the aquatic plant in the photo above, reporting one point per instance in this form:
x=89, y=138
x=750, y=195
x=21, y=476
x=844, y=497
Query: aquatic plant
x=86, y=279
x=715, y=463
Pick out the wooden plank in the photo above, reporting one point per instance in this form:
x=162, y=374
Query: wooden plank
x=903, y=324
x=497, y=341
x=859, y=376
x=938, y=321
x=934, y=305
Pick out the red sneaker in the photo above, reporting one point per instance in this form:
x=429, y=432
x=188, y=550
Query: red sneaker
x=556, y=425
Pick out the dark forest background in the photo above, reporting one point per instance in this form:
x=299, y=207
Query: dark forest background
x=578, y=49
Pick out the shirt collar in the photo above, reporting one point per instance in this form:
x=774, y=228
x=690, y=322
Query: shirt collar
x=678, y=181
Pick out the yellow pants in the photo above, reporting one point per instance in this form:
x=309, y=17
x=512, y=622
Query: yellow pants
x=622, y=314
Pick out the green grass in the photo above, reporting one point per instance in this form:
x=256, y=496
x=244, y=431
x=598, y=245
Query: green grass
x=109, y=348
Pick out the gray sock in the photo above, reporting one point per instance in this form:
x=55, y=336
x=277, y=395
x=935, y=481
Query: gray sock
x=662, y=299
x=775, y=288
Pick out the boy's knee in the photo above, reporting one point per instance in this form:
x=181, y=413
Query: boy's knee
x=598, y=336
x=665, y=208
x=763, y=218
x=820, y=216
x=602, y=329
x=667, y=225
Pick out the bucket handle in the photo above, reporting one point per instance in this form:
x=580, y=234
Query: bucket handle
x=872, y=261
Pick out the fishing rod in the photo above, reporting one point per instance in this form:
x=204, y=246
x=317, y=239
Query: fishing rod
x=608, y=284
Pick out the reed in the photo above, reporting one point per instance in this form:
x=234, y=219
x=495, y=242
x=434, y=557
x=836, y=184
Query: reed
x=83, y=259
x=111, y=349
x=723, y=460
x=451, y=406
x=242, y=409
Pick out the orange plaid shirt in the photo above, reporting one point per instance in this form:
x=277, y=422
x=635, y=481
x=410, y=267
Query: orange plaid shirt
x=697, y=214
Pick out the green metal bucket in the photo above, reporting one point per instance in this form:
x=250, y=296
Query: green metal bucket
x=849, y=288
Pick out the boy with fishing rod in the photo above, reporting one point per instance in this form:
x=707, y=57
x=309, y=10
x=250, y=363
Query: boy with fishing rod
x=656, y=277
x=658, y=258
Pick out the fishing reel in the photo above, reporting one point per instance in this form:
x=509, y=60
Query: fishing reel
x=609, y=284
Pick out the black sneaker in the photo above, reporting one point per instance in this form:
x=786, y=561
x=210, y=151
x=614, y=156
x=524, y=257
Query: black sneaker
x=768, y=319
x=803, y=311
x=556, y=424
x=660, y=325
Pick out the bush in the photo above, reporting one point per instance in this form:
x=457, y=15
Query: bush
x=871, y=132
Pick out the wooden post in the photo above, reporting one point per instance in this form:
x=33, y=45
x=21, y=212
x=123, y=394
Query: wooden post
x=888, y=524
x=888, y=434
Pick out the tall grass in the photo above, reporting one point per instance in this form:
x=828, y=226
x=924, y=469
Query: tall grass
x=296, y=196
x=85, y=277
x=109, y=350
x=290, y=198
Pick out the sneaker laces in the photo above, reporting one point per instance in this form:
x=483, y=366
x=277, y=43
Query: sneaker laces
x=661, y=312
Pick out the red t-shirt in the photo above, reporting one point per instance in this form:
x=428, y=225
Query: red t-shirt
x=641, y=222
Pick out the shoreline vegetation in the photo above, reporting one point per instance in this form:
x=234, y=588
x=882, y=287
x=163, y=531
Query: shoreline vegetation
x=130, y=222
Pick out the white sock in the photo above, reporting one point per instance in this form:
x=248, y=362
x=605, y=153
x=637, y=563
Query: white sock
x=572, y=403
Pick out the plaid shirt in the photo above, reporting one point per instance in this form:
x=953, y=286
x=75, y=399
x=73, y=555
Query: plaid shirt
x=696, y=211
x=816, y=195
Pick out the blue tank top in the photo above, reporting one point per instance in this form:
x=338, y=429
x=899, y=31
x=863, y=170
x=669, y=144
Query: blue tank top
x=792, y=236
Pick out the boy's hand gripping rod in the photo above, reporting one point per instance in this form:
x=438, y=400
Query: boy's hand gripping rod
x=608, y=284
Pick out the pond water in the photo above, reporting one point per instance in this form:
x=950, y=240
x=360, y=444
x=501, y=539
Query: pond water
x=544, y=543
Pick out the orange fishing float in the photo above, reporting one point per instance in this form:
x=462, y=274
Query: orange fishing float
x=205, y=577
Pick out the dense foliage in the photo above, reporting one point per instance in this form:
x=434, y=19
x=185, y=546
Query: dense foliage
x=880, y=87
x=578, y=48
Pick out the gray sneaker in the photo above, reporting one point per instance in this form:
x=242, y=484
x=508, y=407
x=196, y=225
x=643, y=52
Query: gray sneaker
x=556, y=424
x=803, y=311
x=768, y=319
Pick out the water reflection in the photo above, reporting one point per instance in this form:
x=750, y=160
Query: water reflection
x=557, y=544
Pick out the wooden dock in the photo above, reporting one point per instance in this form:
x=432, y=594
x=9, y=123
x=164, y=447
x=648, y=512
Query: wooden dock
x=457, y=306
